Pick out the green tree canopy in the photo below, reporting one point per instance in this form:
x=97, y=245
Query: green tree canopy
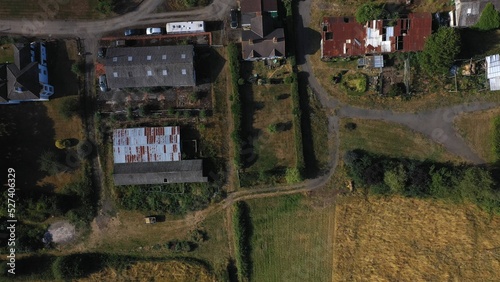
x=369, y=11
x=440, y=51
x=490, y=18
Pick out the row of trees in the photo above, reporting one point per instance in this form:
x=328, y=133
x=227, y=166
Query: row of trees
x=411, y=178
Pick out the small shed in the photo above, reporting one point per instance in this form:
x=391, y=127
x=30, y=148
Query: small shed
x=493, y=71
x=376, y=61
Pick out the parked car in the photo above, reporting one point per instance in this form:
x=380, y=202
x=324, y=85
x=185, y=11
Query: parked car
x=150, y=219
x=130, y=32
x=103, y=85
x=153, y=30
x=101, y=52
x=234, y=18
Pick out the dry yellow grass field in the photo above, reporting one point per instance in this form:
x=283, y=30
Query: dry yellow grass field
x=171, y=271
x=476, y=129
x=401, y=239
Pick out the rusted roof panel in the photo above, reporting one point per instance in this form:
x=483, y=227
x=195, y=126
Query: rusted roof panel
x=146, y=144
x=344, y=37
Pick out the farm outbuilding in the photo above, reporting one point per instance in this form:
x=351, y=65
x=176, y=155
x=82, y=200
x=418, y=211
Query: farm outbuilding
x=152, y=155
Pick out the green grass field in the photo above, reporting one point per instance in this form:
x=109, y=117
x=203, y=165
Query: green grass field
x=392, y=140
x=290, y=241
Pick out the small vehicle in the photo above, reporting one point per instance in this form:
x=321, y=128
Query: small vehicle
x=153, y=31
x=150, y=219
x=130, y=32
x=103, y=85
x=101, y=52
x=234, y=18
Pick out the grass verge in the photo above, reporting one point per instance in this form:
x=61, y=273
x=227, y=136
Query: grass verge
x=390, y=139
x=478, y=129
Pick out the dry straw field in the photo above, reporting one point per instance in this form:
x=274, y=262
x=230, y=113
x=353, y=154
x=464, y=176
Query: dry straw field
x=401, y=239
x=150, y=271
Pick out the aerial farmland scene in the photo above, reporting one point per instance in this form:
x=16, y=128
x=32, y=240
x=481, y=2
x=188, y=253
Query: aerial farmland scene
x=250, y=140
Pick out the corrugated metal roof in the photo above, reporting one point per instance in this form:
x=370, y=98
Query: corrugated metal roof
x=493, y=66
x=407, y=35
x=146, y=144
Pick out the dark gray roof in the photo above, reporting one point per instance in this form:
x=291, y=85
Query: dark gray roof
x=468, y=12
x=150, y=66
x=184, y=171
x=22, y=55
x=23, y=83
x=271, y=46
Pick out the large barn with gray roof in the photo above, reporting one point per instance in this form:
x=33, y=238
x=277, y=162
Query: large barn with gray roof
x=150, y=66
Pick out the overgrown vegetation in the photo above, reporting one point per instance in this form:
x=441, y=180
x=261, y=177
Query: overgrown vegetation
x=69, y=107
x=234, y=67
x=84, y=198
x=78, y=68
x=242, y=226
x=369, y=11
x=105, y=7
x=440, y=51
x=460, y=184
x=175, y=198
x=354, y=84
x=490, y=18
x=496, y=138
x=297, y=121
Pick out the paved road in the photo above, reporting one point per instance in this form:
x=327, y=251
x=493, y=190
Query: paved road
x=44, y=25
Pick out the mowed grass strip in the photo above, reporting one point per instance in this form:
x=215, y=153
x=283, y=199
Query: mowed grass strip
x=290, y=240
x=392, y=140
x=477, y=129
x=402, y=239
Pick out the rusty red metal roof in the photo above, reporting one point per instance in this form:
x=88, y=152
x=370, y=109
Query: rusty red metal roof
x=146, y=144
x=344, y=37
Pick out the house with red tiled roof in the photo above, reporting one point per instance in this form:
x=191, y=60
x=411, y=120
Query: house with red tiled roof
x=344, y=37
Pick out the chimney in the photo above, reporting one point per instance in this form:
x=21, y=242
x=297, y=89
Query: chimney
x=250, y=41
x=275, y=40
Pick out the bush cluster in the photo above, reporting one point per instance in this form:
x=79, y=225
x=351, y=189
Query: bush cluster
x=175, y=198
x=236, y=135
x=411, y=178
x=180, y=246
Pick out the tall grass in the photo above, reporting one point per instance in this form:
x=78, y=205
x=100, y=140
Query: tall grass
x=242, y=226
x=496, y=138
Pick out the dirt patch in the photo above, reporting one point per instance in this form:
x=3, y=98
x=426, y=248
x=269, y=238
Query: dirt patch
x=60, y=232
